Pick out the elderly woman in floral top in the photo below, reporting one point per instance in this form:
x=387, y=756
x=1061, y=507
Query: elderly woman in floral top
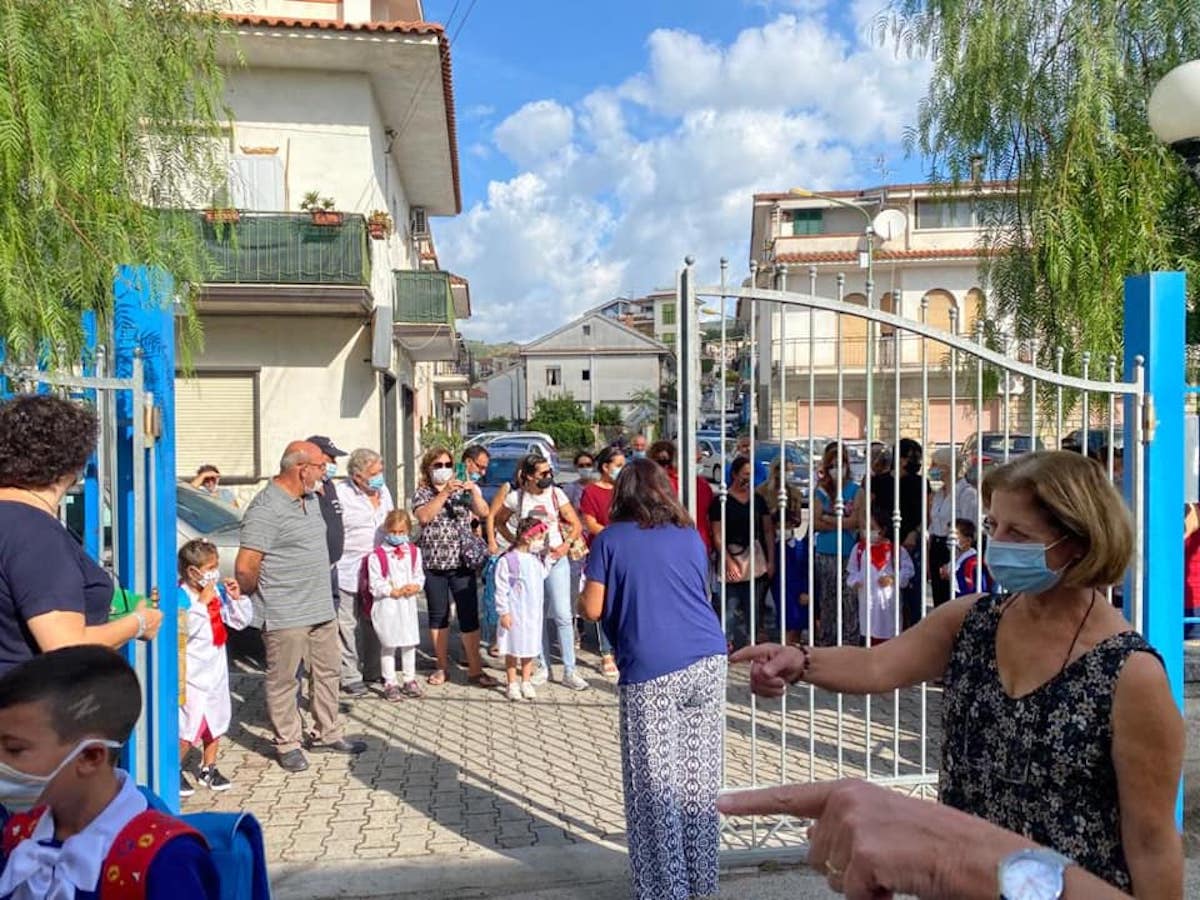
x=445, y=507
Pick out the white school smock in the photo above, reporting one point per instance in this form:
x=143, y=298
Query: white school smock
x=206, y=704
x=395, y=619
x=877, y=618
x=523, y=598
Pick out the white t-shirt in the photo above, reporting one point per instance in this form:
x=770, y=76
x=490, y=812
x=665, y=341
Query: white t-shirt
x=544, y=505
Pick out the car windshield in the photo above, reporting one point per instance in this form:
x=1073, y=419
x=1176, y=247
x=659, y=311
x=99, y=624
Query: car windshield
x=205, y=515
x=796, y=456
x=501, y=470
x=1017, y=443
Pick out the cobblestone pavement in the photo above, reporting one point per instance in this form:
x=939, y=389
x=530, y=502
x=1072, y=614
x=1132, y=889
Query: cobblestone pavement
x=466, y=769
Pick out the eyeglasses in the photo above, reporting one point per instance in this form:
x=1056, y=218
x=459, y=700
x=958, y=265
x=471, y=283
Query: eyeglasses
x=662, y=461
x=442, y=465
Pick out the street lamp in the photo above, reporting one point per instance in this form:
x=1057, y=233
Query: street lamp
x=1174, y=113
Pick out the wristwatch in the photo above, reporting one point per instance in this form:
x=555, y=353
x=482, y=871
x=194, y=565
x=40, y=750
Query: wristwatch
x=1033, y=875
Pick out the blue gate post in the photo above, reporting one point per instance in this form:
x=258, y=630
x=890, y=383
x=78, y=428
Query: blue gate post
x=1155, y=320
x=93, y=503
x=144, y=319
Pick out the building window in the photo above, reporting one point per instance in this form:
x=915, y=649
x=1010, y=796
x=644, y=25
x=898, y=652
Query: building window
x=807, y=221
x=668, y=313
x=953, y=213
x=668, y=338
x=553, y=376
x=587, y=374
x=217, y=403
x=587, y=330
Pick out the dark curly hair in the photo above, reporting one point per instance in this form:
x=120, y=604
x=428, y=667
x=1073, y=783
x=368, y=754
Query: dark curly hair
x=43, y=439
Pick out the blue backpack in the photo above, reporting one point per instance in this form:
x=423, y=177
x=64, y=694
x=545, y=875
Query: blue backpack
x=236, y=843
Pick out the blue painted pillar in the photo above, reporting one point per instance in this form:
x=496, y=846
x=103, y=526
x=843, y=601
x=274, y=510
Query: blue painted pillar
x=93, y=503
x=1155, y=329
x=144, y=319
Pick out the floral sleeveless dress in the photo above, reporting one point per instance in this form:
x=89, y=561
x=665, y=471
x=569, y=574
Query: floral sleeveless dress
x=1040, y=765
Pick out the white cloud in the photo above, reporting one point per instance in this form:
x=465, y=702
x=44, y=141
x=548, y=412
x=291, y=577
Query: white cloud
x=613, y=192
x=534, y=132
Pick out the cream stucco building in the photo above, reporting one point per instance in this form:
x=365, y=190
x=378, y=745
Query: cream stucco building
x=313, y=328
x=927, y=262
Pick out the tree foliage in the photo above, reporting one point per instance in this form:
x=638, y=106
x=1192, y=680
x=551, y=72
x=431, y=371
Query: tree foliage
x=108, y=108
x=562, y=418
x=607, y=416
x=1050, y=95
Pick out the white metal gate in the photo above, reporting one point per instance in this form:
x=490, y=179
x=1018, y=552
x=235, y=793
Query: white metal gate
x=794, y=365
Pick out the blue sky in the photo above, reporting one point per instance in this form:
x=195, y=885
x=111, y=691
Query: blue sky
x=600, y=143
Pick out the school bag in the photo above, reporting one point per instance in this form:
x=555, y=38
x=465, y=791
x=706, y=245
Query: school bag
x=365, y=599
x=236, y=843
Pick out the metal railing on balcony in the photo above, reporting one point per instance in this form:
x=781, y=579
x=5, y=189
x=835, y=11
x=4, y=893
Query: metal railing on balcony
x=286, y=248
x=423, y=298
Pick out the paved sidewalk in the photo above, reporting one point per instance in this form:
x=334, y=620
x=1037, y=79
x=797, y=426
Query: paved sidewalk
x=465, y=769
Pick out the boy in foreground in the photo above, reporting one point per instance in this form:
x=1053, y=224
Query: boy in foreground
x=79, y=828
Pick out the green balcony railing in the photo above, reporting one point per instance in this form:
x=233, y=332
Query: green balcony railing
x=423, y=298
x=286, y=248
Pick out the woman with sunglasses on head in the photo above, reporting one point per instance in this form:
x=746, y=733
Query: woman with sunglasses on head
x=537, y=495
x=1058, y=720
x=446, y=509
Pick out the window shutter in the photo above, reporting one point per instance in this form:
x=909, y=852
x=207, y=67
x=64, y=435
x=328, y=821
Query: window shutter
x=216, y=416
x=256, y=183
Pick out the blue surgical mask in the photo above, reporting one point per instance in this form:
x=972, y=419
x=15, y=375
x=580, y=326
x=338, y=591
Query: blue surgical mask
x=330, y=471
x=935, y=474
x=1022, y=568
x=614, y=472
x=396, y=540
x=639, y=454
x=475, y=476
x=375, y=482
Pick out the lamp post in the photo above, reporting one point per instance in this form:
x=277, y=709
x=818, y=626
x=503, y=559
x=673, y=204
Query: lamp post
x=1174, y=113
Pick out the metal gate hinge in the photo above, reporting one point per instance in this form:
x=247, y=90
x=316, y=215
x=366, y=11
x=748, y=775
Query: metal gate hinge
x=1149, y=420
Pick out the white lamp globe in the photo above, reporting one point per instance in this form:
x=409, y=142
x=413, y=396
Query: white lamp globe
x=1174, y=108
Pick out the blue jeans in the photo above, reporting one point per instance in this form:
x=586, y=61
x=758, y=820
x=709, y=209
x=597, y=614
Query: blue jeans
x=559, y=616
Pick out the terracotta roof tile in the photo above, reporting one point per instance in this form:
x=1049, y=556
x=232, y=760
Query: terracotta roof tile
x=428, y=29
x=847, y=256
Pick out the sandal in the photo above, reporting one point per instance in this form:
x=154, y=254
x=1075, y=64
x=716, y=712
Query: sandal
x=494, y=651
x=437, y=678
x=483, y=680
x=609, y=667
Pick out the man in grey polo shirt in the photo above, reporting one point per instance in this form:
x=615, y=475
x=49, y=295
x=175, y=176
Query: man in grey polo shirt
x=284, y=561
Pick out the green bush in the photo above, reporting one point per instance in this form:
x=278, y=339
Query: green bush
x=562, y=419
x=607, y=416
x=500, y=423
x=436, y=434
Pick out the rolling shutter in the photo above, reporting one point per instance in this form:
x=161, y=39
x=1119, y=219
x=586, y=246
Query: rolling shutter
x=216, y=422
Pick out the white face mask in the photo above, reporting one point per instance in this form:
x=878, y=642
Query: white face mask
x=209, y=577
x=537, y=546
x=441, y=476
x=20, y=791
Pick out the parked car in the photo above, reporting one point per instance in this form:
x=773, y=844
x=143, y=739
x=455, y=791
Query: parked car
x=1097, y=440
x=989, y=448
x=797, y=462
x=197, y=515
x=501, y=470
x=483, y=437
x=491, y=437
x=520, y=446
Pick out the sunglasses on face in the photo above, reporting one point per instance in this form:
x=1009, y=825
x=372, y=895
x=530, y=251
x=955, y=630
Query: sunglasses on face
x=442, y=465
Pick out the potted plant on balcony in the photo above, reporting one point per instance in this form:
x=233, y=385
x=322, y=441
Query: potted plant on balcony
x=222, y=215
x=321, y=209
x=379, y=225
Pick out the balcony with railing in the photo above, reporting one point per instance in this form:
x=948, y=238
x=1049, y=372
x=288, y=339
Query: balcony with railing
x=283, y=261
x=423, y=315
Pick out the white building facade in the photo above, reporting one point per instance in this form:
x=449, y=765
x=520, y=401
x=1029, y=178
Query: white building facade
x=328, y=325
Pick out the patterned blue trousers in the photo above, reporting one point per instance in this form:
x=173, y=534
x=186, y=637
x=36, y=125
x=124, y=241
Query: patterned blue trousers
x=671, y=733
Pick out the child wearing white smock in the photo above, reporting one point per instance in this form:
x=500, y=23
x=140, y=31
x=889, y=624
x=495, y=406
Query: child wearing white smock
x=208, y=609
x=875, y=565
x=520, y=598
x=394, y=604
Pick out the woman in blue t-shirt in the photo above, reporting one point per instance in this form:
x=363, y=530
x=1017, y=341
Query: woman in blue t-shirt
x=830, y=551
x=647, y=584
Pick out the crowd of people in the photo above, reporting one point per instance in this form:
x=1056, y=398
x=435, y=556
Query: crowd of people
x=1059, y=728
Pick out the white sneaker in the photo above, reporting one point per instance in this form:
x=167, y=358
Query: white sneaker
x=514, y=691
x=574, y=682
x=527, y=690
x=540, y=675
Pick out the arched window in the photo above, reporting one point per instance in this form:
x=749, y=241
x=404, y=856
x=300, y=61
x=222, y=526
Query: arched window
x=972, y=311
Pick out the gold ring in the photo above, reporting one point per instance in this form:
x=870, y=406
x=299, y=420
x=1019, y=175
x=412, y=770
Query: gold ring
x=832, y=870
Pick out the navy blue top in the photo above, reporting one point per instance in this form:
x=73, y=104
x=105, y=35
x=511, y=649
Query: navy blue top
x=43, y=569
x=657, y=614
x=182, y=870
